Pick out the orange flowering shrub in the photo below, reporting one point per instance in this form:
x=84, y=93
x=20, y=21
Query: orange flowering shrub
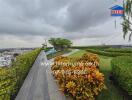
x=59, y=61
x=80, y=82
x=90, y=58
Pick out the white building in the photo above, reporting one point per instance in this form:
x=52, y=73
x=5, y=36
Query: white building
x=5, y=60
x=6, y=57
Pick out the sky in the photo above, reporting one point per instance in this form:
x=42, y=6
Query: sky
x=27, y=23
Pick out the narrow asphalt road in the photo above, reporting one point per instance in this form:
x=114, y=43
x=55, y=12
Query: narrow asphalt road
x=35, y=86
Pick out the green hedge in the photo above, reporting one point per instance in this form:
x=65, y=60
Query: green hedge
x=12, y=78
x=90, y=47
x=110, y=54
x=122, y=70
x=121, y=50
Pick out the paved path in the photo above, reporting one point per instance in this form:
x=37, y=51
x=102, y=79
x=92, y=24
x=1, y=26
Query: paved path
x=35, y=86
x=40, y=84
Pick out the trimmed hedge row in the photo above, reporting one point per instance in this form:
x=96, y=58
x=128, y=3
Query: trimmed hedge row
x=12, y=78
x=121, y=50
x=90, y=47
x=110, y=54
x=122, y=71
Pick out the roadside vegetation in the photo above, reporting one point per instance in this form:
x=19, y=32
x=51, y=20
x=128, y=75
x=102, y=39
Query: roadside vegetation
x=12, y=78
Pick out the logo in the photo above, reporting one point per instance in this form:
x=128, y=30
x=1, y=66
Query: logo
x=117, y=11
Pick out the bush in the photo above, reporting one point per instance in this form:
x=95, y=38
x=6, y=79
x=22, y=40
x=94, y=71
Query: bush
x=120, y=50
x=122, y=70
x=6, y=83
x=12, y=78
x=80, y=82
x=105, y=53
x=91, y=59
x=90, y=47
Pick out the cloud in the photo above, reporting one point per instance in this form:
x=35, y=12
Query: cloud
x=84, y=14
x=46, y=16
x=72, y=19
x=10, y=41
x=26, y=17
x=18, y=27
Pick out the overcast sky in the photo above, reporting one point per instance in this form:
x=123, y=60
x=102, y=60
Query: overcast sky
x=27, y=23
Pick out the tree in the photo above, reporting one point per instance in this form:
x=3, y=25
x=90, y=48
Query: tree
x=127, y=23
x=60, y=43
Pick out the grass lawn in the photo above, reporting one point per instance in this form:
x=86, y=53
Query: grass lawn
x=112, y=92
x=77, y=54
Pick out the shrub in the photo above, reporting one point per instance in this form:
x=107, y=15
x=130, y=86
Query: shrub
x=119, y=50
x=105, y=53
x=12, y=78
x=91, y=59
x=122, y=70
x=80, y=82
x=90, y=47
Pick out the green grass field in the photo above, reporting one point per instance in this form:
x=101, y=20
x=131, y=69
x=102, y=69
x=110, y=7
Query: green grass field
x=112, y=92
x=78, y=54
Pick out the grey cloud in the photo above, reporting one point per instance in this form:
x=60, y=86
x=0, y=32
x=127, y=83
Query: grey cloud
x=87, y=13
x=37, y=8
x=21, y=28
x=72, y=19
x=28, y=17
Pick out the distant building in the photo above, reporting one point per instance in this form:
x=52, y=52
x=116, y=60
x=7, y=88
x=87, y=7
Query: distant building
x=7, y=56
x=5, y=60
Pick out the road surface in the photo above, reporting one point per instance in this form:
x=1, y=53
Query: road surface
x=35, y=86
